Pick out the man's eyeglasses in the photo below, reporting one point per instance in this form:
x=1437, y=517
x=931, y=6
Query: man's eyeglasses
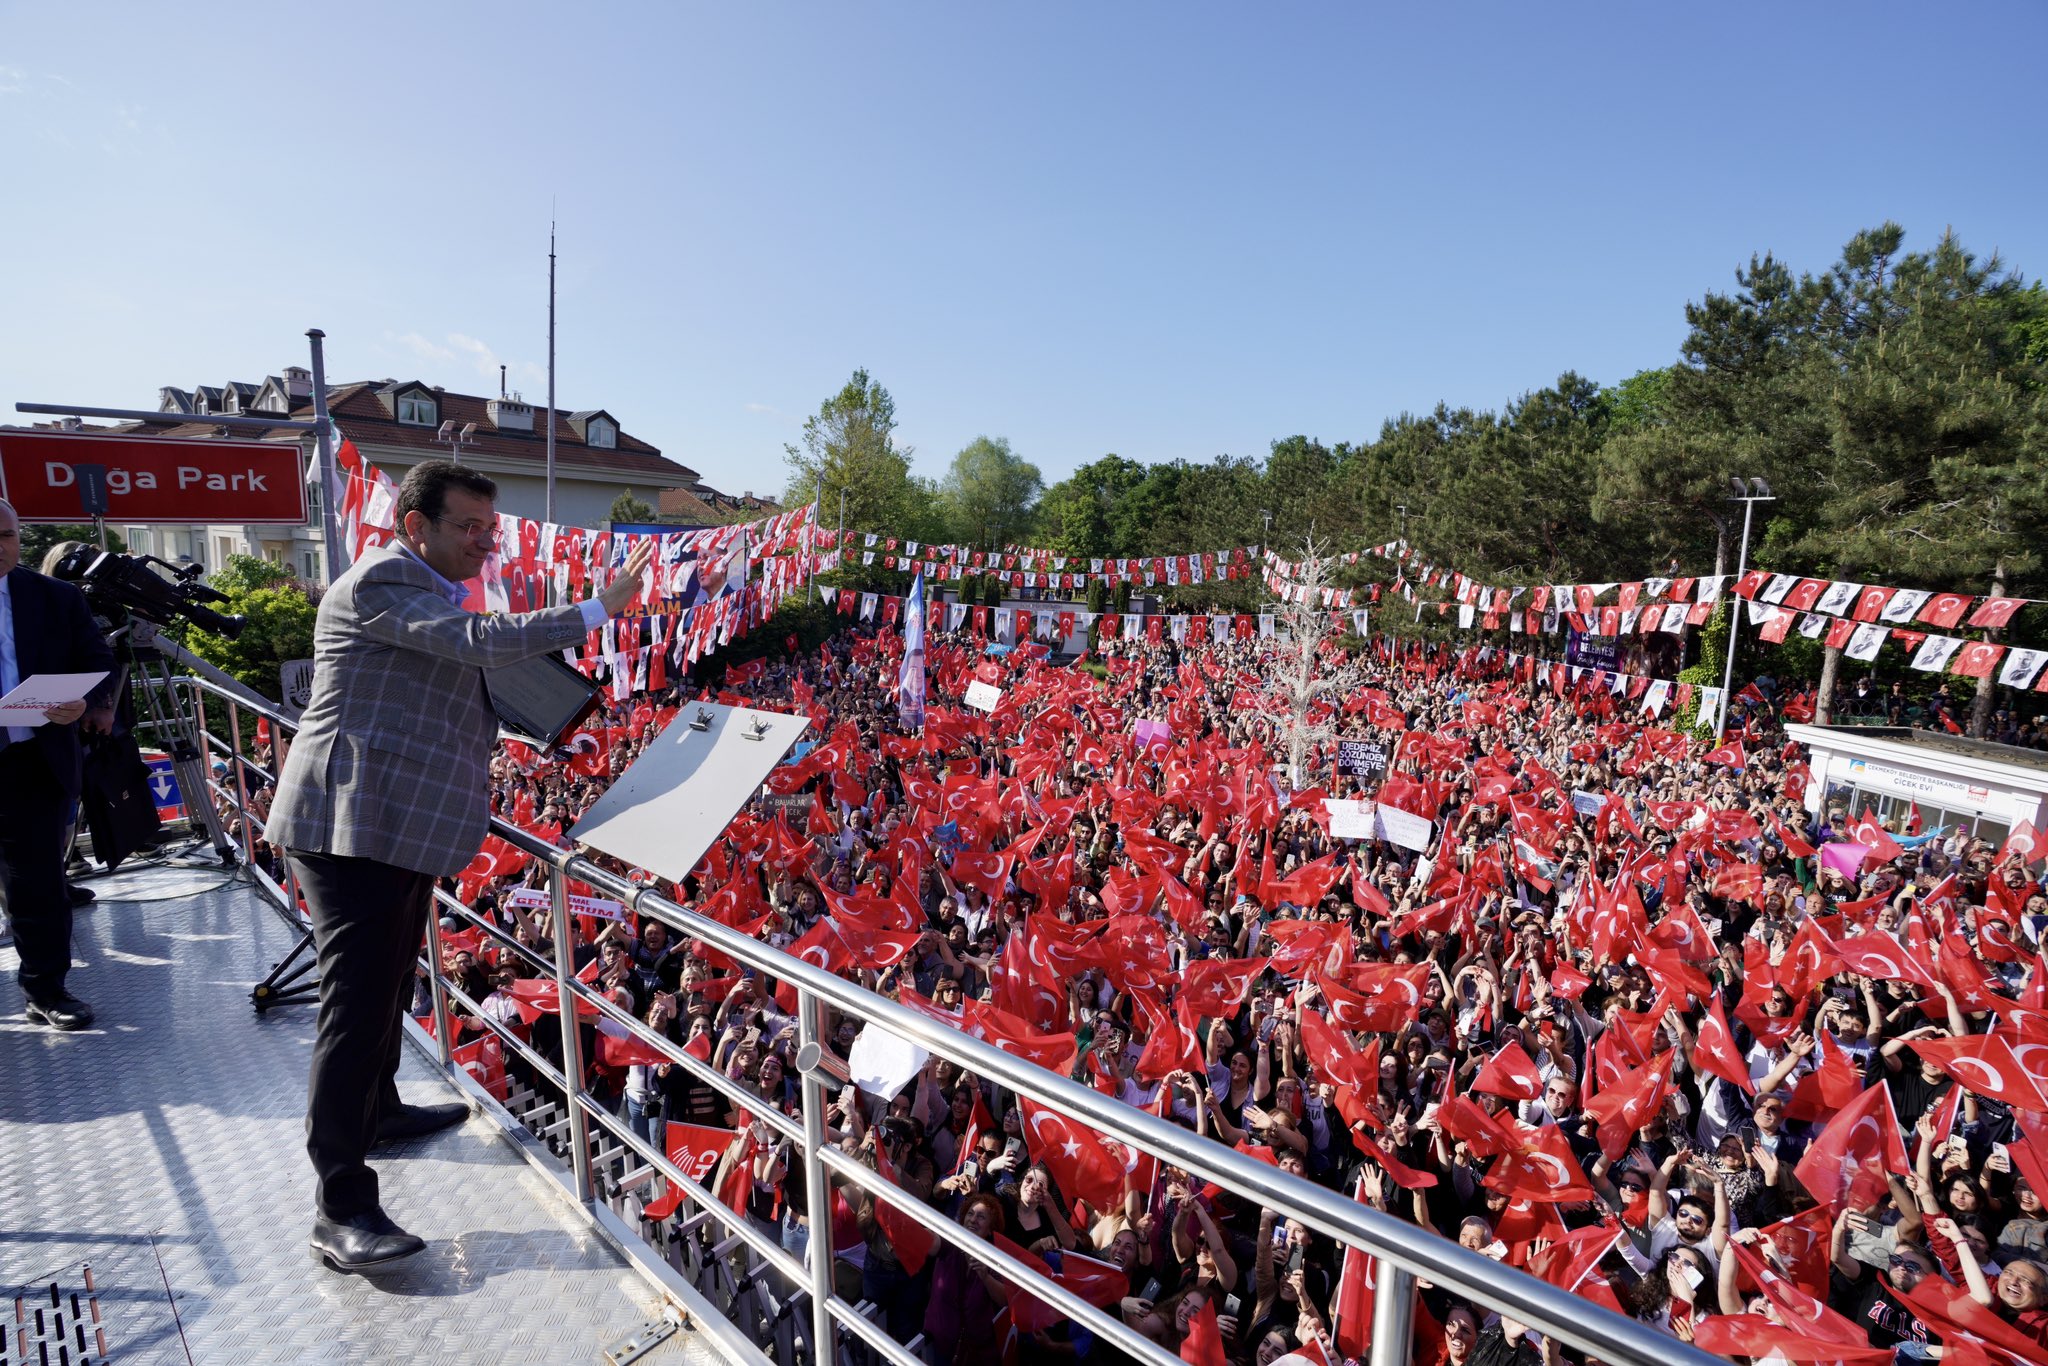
x=474, y=531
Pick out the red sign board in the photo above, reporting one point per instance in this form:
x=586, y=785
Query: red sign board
x=152, y=480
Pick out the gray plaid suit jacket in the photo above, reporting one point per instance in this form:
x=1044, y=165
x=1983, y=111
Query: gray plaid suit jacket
x=392, y=756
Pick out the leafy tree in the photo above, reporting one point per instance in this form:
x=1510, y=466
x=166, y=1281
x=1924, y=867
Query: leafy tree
x=37, y=539
x=849, y=452
x=987, y=496
x=627, y=508
x=280, y=617
x=1080, y=515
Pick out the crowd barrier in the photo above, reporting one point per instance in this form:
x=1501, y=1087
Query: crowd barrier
x=779, y=1306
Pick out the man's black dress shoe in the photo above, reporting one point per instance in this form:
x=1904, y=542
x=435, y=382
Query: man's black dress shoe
x=417, y=1121
x=66, y=1012
x=362, y=1242
x=80, y=896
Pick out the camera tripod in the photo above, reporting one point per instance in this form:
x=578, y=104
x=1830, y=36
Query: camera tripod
x=172, y=716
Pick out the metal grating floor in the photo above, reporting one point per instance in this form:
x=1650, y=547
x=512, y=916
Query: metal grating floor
x=164, y=1149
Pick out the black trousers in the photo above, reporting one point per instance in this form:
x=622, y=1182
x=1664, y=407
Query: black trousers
x=368, y=919
x=33, y=814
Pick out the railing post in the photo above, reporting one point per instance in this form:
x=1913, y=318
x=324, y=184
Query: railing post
x=1393, y=1314
x=444, y=1028
x=241, y=783
x=810, y=1024
x=572, y=1040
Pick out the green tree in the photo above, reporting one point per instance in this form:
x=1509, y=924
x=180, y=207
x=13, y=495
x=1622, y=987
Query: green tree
x=280, y=623
x=627, y=508
x=1084, y=513
x=988, y=494
x=37, y=539
x=849, y=452
x=1935, y=416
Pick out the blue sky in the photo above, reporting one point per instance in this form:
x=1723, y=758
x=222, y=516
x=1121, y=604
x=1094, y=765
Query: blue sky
x=1160, y=230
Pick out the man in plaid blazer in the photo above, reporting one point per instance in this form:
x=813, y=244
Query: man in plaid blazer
x=384, y=790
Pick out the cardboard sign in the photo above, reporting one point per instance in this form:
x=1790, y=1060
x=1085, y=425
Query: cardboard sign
x=601, y=907
x=1366, y=760
x=1396, y=826
x=1350, y=820
x=984, y=696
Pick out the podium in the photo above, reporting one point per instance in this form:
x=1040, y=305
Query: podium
x=665, y=810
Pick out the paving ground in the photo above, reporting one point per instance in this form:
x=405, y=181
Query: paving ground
x=160, y=1155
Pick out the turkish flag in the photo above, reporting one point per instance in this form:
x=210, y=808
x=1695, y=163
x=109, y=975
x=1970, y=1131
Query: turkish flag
x=1625, y=1105
x=2025, y=844
x=1849, y=1162
x=1510, y=1072
x=1172, y=1045
x=1827, y=1088
x=1996, y=612
x=1753, y=1335
x=1215, y=987
x=1305, y=885
x=910, y=1240
x=1874, y=837
x=1729, y=755
x=1203, y=1346
x=1542, y=1169
x=1882, y=958
x=1054, y=1052
x=1796, y=1308
x=1352, y=1309
x=1715, y=1053
x=1079, y=1163
x=1870, y=602
x=1988, y=1065
x=1097, y=1282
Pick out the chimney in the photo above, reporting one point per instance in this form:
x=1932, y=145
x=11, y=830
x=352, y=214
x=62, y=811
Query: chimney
x=501, y=381
x=298, y=381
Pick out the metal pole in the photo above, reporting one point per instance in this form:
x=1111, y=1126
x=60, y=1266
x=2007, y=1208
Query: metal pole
x=551, y=373
x=1734, y=620
x=1393, y=1314
x=572, y=1041
x=323, y=441
x=444, y=1027
x=817, y=1190
x=818, y=511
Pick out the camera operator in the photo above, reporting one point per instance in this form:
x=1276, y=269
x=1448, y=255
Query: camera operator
x=45, y=628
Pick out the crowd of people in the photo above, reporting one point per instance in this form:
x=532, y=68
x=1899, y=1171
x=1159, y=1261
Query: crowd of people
x=1615, y=1023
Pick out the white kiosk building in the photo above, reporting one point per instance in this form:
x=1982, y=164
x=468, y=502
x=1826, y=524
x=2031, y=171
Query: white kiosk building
x=1988, y=787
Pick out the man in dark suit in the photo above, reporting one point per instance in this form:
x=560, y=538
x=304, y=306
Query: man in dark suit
x=45, y=628
x=385, y=789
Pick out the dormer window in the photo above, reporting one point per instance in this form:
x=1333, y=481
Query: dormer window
x=417, y=410
x=601, y=433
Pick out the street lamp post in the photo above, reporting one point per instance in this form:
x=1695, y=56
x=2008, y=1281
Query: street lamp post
x=1748, y=493
x=456, y=440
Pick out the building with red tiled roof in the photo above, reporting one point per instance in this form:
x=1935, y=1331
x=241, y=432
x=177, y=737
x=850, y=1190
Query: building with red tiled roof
x=398, y=423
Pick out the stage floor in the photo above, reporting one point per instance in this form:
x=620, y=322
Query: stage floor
x=159, y=1157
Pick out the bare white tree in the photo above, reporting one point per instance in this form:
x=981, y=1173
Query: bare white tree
x=1301, y=684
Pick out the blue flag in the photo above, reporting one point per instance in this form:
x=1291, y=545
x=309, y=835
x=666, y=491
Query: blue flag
x=910, y=683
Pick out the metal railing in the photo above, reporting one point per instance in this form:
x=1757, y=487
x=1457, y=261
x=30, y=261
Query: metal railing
x=588, y=1129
